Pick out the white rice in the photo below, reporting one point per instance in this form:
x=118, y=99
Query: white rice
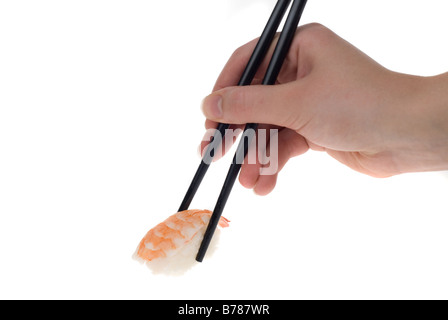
x=183, y=259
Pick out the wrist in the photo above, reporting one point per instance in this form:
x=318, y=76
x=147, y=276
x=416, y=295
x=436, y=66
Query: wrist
x=436, y=117
x=424, y=124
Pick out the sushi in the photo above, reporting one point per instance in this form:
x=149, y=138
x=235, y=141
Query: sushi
x=171, y=246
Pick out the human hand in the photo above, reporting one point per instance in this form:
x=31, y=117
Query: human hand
x=332, y=97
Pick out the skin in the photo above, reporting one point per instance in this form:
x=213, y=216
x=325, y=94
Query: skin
x=333, y=98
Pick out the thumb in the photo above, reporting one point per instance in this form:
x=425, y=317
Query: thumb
x=275, y=105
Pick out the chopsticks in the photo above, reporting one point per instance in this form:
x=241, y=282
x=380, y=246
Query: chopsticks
x=270, y=77
x=252, y=66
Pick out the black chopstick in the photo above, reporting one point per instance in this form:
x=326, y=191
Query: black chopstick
x=272, y=72
x=252, y=66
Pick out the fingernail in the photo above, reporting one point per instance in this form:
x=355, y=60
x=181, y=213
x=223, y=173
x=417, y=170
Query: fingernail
x=212, y=107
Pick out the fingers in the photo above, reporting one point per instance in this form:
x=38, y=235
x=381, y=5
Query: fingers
x=297, y=64
x=227, y=141
x=286, y=104
x=260, y=104
x=232, y=100
x=235, y=66
x=262, y=176
x=250, y=170
x=278, y=105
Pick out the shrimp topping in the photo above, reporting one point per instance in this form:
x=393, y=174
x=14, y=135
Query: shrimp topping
x=165, y=239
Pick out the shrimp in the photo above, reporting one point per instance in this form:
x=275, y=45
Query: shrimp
x=170, y=247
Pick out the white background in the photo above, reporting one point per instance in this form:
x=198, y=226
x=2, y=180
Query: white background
x=99, y=125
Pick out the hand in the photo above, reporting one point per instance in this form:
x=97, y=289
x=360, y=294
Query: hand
x=331, y=97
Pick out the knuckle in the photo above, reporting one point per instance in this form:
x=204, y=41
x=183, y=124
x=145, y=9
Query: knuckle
x=239, y=53
x=313, y=33
x=243, y=52
x=317, y=27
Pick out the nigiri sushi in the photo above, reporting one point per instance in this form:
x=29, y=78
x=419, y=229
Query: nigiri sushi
x=171, y=246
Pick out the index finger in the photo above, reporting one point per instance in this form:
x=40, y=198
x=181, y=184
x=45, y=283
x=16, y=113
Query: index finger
x=234, y=68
